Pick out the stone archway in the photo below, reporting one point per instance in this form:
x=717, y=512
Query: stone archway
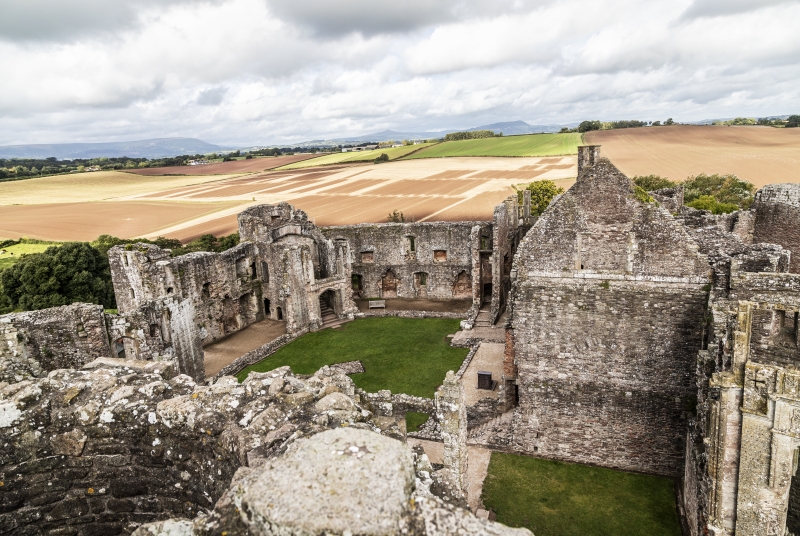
x=389, y=283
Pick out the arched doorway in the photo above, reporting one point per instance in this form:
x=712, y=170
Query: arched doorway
x=388, y=285
x=328, y=306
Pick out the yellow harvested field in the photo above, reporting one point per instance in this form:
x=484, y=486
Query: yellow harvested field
x=761, y=155
x=94, y=186
x=81, y=207
x=424, y=190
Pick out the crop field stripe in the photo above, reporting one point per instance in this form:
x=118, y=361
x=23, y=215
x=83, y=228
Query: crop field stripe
x=528, y=145
x=353, y=157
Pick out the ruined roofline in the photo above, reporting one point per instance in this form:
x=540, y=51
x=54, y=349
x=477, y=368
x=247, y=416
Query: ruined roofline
x=406, y=224
x=785, y=194
x=165, y=254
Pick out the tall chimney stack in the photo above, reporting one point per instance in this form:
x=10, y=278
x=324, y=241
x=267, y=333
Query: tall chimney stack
x=587, y=156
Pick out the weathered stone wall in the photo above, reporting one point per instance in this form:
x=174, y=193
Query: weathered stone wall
x=122, y=443
x=388, y=259
x=35, y=342
x=224, y=288
x=777, y=209
x=607, y=318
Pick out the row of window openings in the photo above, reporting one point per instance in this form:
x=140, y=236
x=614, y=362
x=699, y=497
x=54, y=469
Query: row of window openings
x=368, y=257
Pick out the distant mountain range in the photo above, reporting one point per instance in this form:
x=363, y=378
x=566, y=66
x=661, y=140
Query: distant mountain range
x=157, y=148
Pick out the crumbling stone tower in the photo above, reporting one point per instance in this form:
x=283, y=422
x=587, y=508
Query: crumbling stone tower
x=607, y=310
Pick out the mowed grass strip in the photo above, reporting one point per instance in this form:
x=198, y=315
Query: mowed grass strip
x=404, y=355
x=554, y=498
x=529, y=145
x=363, y=156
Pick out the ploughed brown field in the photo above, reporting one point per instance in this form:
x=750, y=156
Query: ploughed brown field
x=226, y=168
x=761, y=155
x=443, y=189
x=87, y=221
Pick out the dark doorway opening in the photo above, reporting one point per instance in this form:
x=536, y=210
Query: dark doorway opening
x=487, y=292
x=266, y=307
x=280, y=313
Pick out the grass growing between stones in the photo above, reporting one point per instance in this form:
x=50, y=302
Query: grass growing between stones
x=414, y=420
x=562, y=499
x=404, y=355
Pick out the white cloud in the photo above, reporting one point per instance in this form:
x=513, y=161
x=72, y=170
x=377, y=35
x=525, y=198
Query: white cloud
x=259, y=71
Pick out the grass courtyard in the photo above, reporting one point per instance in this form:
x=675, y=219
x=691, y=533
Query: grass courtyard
x=554, y=498
x=404, y=355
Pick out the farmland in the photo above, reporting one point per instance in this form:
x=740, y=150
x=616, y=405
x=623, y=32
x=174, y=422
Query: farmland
x=761, y=155
x=11, y=254
x=362, y=156
x=95, y=186
x=83, y=206
x=226, y=168
x=529, y=145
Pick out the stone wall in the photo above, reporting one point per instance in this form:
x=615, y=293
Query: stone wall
x=777, y=209
x=607, y=314
x=36, y=342
x=122, y=443
x=410, y=260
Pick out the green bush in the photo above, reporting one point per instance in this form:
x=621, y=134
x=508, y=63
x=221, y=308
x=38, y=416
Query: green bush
x=382, y=158
x=653, y=182
x=707, y=202
x=542, y=193
x=726, y=189
x=793, y=121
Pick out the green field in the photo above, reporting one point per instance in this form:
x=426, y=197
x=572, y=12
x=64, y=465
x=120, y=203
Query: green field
x=529, y=145
x=366, y=156
x=404, y=355
x=13, y=253
x=563, y=499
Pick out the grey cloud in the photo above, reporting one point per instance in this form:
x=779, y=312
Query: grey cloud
x=59, y=20
x=211, y=97
x=373, y=17
x=718, y=8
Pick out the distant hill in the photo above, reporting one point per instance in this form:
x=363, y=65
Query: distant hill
x=507, y=128
x=156, y=148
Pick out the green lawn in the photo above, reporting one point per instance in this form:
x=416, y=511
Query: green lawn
x=13, y=253
x=366, y=156
x=404, y=355
x=562, y=499
x=529, y=145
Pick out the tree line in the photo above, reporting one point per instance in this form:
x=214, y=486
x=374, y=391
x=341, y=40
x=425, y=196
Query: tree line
x=79, y=271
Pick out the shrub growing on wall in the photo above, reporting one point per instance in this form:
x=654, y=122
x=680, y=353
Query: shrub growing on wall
x=542, y=192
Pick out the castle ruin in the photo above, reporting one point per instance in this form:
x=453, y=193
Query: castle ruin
x=640, y=335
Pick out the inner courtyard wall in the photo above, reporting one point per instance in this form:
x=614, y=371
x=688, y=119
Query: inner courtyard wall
x=388, y=260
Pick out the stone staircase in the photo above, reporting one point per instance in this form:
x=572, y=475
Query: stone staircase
x=483, y=320
x=483, y=433
x=328, y=315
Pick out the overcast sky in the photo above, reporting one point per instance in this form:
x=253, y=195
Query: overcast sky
x=246, y=72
